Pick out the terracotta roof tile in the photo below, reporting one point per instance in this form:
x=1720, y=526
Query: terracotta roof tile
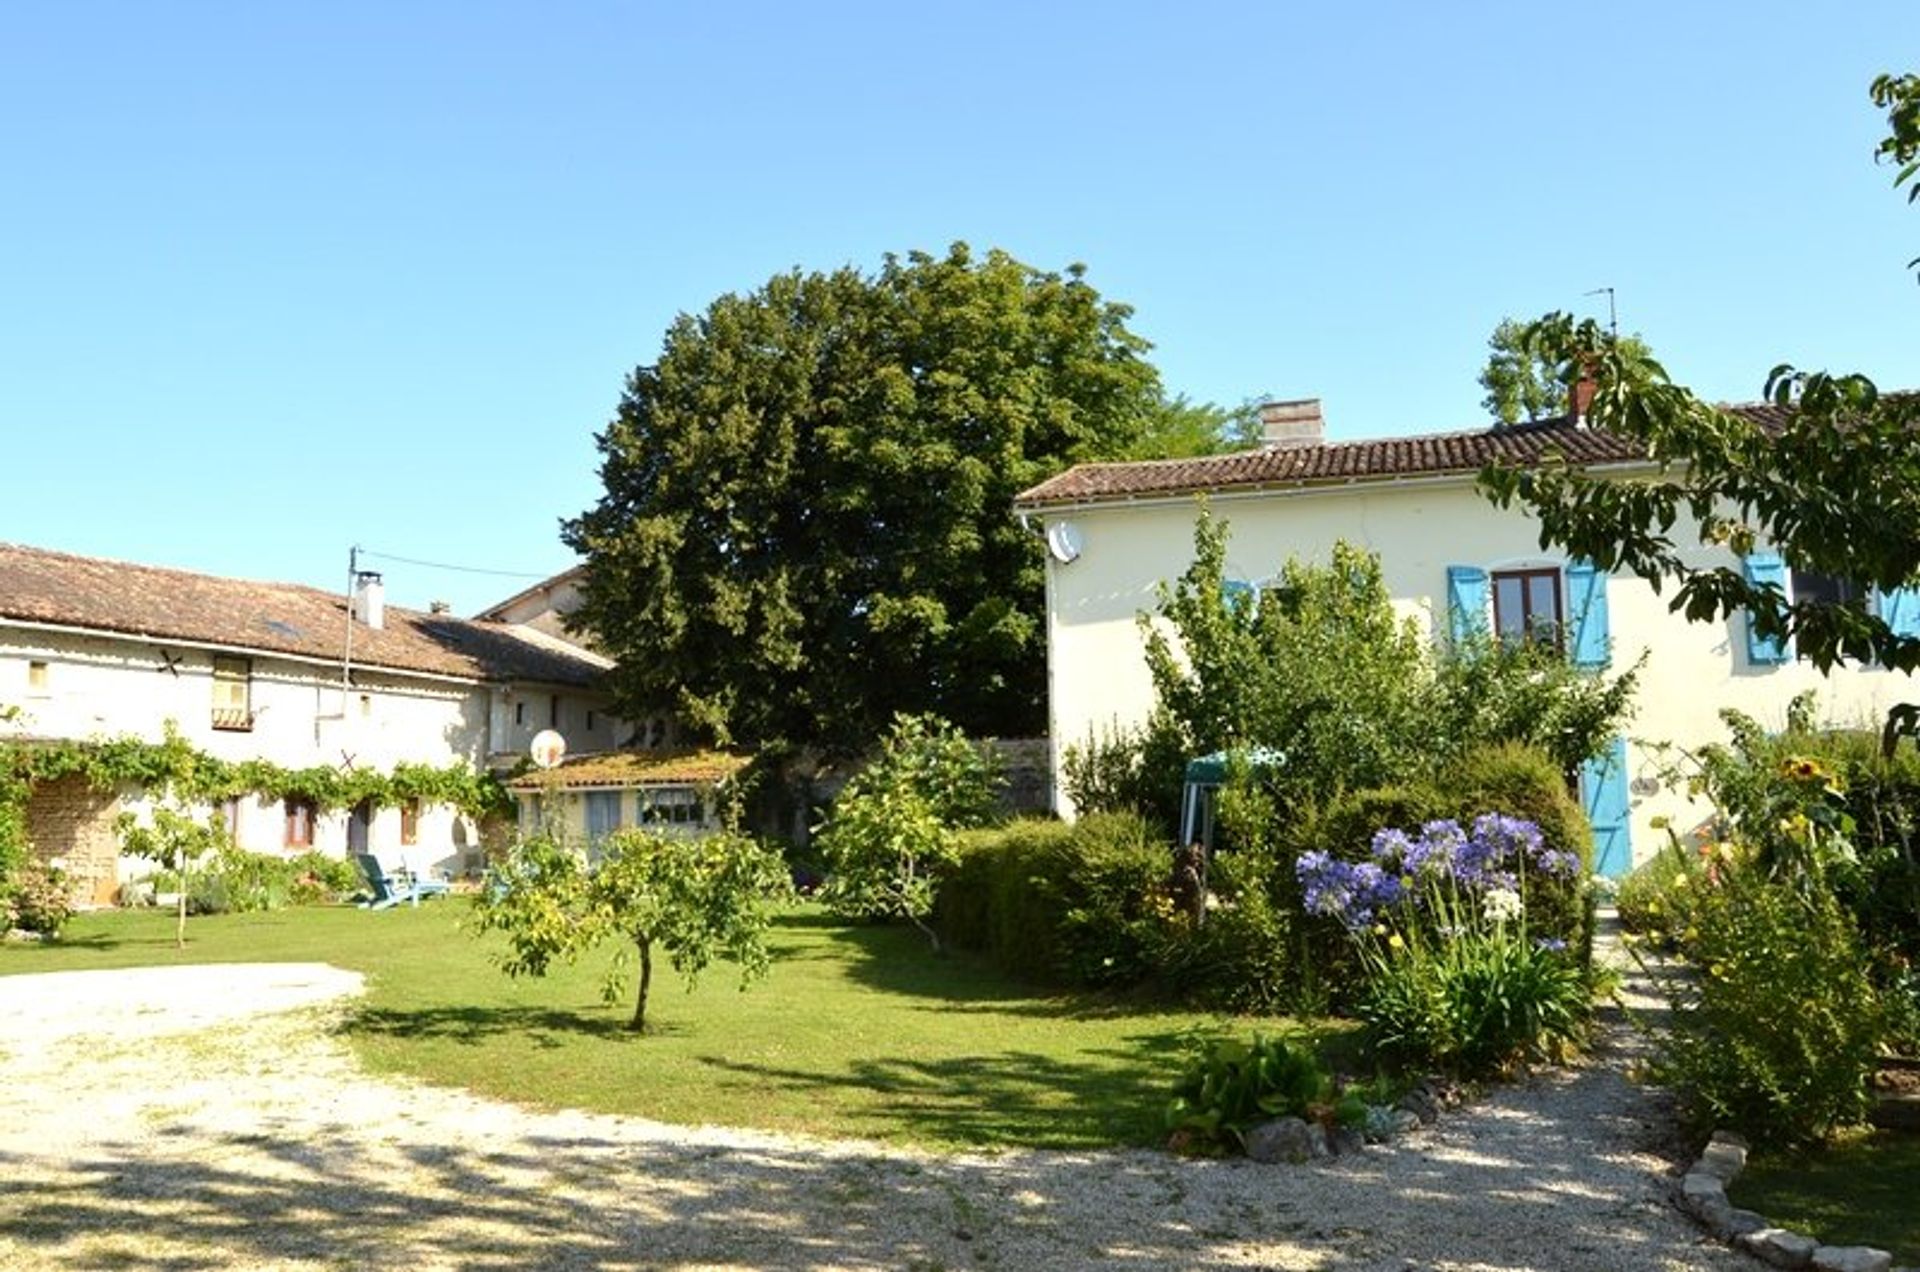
x=636, y=768
x=1428, y=454
x=40, y=586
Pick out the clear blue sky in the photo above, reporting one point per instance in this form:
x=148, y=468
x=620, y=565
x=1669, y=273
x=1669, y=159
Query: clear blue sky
x=276, y=279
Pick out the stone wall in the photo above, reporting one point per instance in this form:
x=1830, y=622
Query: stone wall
x=69, y=820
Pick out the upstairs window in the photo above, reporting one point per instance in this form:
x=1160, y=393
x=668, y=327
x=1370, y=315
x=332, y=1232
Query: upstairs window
x=37, y=676
x=1527, y=606
x=232, y=693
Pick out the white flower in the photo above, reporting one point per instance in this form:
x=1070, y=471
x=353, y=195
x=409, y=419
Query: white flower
x=1502, y=904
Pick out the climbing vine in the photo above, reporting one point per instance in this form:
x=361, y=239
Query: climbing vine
x=176, y=765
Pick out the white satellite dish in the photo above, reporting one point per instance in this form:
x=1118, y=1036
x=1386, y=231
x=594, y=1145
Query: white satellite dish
x=1064, y=542
x=547, y=748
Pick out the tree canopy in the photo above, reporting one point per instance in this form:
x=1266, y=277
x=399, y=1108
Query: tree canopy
x=806, y=524
x=1524, y=382
x=1833, y=485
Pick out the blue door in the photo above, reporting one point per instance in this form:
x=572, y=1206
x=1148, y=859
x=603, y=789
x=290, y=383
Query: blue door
x=1603, y=793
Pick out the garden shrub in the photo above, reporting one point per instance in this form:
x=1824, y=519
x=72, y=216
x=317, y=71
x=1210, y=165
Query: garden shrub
x=1241, y=956
x=37, y=898
x=1052, y=902
x=1654, y=897
x=1229, y=1087
x=1777, y=1034
x=1523, y=781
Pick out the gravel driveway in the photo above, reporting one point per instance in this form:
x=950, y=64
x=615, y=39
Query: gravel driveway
x=208, y=1117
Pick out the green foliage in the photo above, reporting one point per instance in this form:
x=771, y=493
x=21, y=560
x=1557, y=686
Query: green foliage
x=696, y=898
x=1107, y=773
x=1322, y=671
x=1061, y=904
x=1229, y=1087
x=1475, y=1004
x=1244, y=953
x=1527, y=783
x=1179, y=428
x=770, y=562
x=36, y=898
x=175, y=840
x=1829, y=489
x=1487, y=690
x=1320, y=668
x=891, y=832
x=1523, y=384
x=1778, y=1032
x=1655, y=897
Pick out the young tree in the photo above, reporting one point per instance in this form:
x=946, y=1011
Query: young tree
x=1830, y=483
x=176, y=840
x=1521, y=384
x=891, y=830
x=804, y=527
x=694, y=898
x=1179, y=428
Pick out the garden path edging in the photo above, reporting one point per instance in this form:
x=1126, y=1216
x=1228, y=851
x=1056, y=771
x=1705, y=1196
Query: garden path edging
x=1703, y=1194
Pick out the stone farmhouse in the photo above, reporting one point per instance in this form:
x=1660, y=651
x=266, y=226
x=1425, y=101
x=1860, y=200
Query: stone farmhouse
x=1115, y=531
x=281, y=672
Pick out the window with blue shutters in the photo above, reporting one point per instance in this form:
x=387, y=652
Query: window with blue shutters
x=1604, y=795
x=1467, y=603
x=1591, y=644
x=1900, y=610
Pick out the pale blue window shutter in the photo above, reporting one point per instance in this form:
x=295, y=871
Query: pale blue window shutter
x=1900, y=610
x=1765, y=569
x=1240, y=595
x=1603, y=793
x=1467, y=601
x=1591, y=643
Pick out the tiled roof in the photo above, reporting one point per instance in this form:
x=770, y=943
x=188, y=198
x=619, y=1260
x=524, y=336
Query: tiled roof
x=147, y=601
x=1429, y=454
x=498, y=610
x=635, y=768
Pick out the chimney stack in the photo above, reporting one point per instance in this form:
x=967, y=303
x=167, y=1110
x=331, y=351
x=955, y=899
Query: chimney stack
x=1580, y=397
x=370, y=599
x=1291, y=425
x=439, y=607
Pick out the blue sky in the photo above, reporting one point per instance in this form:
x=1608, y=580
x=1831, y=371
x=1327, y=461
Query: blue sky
x=276, y=279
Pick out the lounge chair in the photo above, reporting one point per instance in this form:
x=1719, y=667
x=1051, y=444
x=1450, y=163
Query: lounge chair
x=391, y=888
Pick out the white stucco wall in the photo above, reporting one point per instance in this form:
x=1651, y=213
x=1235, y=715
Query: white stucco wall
x=104, y=686
x=1098, y=674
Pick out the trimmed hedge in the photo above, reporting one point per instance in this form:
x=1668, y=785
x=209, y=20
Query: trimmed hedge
x=1057, y=903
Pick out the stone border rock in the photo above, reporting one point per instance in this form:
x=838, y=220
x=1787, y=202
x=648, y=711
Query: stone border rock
x=1703, y=1194
x=1295, y=1140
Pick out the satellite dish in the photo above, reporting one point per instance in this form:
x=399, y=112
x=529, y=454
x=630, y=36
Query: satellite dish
x=547, y=748
x=1064, y=542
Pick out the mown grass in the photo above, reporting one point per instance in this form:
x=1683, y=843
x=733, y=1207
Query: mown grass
x=857, y=1031
x=1861, y=1192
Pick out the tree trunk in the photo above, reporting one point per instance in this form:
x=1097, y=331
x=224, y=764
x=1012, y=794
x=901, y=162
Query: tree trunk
x=639, y=1023
x=180, y=925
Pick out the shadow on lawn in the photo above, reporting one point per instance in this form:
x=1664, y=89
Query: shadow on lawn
x=543, y=1027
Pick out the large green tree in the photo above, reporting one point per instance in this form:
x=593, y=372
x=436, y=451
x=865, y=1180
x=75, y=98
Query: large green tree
x=1833, y=483
x=806, y=527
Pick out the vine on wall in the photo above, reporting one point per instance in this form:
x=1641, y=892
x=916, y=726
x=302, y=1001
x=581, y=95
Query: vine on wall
x=175, y=765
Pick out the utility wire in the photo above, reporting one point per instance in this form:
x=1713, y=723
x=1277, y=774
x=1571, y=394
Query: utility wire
x=442, y=565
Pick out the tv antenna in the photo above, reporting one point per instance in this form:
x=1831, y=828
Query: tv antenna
x=1613, y=317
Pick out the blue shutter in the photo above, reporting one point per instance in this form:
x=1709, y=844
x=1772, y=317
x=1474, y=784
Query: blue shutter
x=1603, y=793
x=1591, y=642
x=1765, y=569
x=1239, y=595
x=1900, y=610
x=1467, y=601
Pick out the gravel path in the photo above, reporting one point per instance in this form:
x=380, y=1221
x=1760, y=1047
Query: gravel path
x=208, y=1117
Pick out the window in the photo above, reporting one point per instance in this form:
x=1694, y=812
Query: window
x=603, y=814
x=589, y=722
x=229, y=813
x=1526, y=605
x=366, y=705
x=232, y=693
x=519, y=713
x=37, y=676
x=410, y=822
x=1826, y=589
x=672, y=806
x=553, y=711
x=301, y=814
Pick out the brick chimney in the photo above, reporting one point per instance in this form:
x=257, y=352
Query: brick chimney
x=1580, y=397
x=1290, y=425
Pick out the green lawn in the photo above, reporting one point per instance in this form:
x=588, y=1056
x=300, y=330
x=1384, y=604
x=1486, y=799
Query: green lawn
x=1865, y=1192
x=857, y=1031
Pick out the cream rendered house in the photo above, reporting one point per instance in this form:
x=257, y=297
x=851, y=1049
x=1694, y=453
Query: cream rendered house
x=1116, y=531
x=92, y=648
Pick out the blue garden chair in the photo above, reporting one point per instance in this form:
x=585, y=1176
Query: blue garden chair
x=391, y=888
